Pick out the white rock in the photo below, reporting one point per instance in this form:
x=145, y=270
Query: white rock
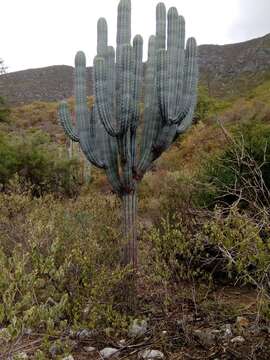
x=151, y=355
x=20, y=356
x=227, y=330
x=83, y=334
x=89, y=349
x=122, y=342
x=137, y=328
x=4, y=335
x=238, y=339
x=108, y=352
x=69, y=357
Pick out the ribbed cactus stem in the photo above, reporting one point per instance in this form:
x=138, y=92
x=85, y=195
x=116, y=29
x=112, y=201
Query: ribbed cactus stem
x=65, y=120
x=108, y=133
x=161, y=26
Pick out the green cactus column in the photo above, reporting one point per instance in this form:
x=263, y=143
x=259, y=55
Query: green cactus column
x=107, y=133
x=130, y=251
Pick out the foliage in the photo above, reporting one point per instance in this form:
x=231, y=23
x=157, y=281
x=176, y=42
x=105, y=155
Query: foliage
x=229, y=247
x=4, y=111
x=38, y=163
x=58, y=264
x=242, y=171
x=207, y=105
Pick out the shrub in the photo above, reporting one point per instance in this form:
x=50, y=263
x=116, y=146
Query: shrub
x=207, y=106
x=37, y=162
x=61, y=268
x=230, y=247
x=4, y=111
x=242, y=171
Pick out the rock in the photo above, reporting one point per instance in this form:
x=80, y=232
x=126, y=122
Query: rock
x=83, y=334
x=206, y=336
x=89, y=349
x=108, y=352
x=241, y=322
x=238, y=340
x=122, y=343
x=137, y=328
x=27, y=331
x=55, y=350
x=20, y=356
x=227, y=329
x=4, y=335
x=69, y=357
x=151, y=355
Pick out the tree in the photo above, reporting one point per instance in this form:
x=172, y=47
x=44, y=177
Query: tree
x=3, y=68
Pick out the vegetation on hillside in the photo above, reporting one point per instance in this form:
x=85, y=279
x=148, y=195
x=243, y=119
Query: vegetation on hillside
x=203, y=228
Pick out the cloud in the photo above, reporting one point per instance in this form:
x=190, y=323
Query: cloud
x=252, y=20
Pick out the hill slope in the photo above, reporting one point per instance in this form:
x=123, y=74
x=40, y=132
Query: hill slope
x=226, y=70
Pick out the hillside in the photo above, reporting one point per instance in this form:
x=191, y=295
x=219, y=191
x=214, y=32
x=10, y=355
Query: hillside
x=203, y=285
x=226, y=70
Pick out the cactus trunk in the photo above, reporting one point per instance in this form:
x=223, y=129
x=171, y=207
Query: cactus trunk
x=129, y=204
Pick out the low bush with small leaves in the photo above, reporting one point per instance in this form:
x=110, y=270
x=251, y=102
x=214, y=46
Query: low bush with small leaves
x=39, y=165
x=59, y=264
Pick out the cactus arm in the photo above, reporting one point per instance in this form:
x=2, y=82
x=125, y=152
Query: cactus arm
x=65, y=121
x=152, y=121
x=172, y=62
x=83, y=116
x=126, y=88
x=111, y=77
x=101, y=101
x=112, y=170
x=187, y=122
x=161, y=26
x=138, y=53
x=123, y=26
x=102, y=36
x=190, y=80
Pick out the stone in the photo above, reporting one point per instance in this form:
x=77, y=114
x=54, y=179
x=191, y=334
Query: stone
x=4, y=335
x=69, y=357
x=89, y=349
x=227, y=329
x=122, y=343
x=54, y=350
x=20, y=356
x=137, y=328
x=27, y=331
x=108, y=352
x=151, y=355
x=83, y=334
x=238, y=340
x=206, y=336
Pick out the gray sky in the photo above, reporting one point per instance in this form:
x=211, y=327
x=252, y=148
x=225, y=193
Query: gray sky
x=37, y=33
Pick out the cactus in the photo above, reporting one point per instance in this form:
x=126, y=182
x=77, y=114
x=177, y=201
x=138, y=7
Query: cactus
x=108, y=132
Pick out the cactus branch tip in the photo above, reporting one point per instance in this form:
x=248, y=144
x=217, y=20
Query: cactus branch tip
x=80, y=59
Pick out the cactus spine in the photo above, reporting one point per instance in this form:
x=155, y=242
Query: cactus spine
x=108, y=132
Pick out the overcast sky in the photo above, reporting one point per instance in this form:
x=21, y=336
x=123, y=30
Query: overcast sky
x=37, y=33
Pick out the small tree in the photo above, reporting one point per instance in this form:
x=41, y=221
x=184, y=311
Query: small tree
x=3, y=68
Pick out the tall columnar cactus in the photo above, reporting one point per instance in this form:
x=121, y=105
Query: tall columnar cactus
x=108, y=132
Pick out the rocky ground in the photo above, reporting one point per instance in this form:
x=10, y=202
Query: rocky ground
x=222, y=325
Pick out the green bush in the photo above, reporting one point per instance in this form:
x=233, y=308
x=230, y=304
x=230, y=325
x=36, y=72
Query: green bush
x=207, y=106
x=59, y=264
x=38, y=164
x=4, y=111
x=242, y=170
x=225, y=247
